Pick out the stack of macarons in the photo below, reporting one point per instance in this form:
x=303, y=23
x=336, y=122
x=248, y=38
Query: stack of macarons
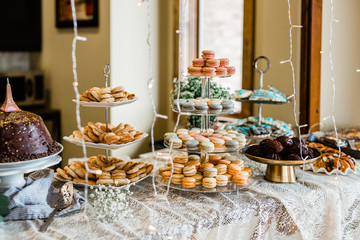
x=209, y=66
x=200, y=105
x=219, y=171
x=205, y=141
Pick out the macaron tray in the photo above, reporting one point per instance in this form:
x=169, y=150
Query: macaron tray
x=199, y=107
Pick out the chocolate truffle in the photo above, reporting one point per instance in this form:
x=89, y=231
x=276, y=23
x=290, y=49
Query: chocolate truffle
x=285, y=141
x=295, y=149
x=254, y=150
x=263, y=142
x=272, y=146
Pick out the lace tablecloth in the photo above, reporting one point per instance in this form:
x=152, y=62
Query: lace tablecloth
x=316, y=207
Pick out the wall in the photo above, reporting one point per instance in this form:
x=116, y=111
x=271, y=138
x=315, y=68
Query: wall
x=56, y=63
x=346, y=38
x=272, y=40
x=130, y=65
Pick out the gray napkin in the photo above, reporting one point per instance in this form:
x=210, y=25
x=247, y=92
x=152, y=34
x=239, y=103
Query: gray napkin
x=33, y=200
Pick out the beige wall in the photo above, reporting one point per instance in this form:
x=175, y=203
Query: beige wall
x=56, y=63
x=346, y=38
x=272, y=40
x=130, y=65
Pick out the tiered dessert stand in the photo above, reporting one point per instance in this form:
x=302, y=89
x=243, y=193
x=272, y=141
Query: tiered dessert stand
x=105, y=105
x=278, y=171
x=205, y=125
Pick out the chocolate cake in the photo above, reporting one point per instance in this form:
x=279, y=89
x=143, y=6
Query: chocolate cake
x=24, y=136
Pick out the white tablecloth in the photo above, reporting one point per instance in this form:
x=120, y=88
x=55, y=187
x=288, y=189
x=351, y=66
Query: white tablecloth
x=316, y=207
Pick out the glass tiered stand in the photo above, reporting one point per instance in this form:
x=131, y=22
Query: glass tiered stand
x=205, y=126
x=106, y=147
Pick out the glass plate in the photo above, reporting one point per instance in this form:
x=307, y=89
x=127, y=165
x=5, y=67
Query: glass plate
x=216, y=151
x=70, y=139
x=261, y=101
x=105, y=104
x=235, y=109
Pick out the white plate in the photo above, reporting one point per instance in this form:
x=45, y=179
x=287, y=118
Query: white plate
x=335, y=171
x=24, y=164
x=104, y=104
x=70, y=139
x=88, y=185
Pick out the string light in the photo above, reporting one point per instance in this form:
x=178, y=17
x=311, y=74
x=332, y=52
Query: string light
x=292, y=26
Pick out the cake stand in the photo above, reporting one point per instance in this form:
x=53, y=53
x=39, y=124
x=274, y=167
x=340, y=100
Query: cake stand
x=282, y=171
x=12, y=174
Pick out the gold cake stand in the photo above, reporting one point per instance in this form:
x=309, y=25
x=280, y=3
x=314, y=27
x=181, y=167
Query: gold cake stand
x=282, y=171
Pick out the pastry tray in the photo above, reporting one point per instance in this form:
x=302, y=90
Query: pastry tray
x=246, y=100
x=230, y=187
x=82, y=185
x=70, y=139
x=105, y=104
x=235, y=109
x=216, y=150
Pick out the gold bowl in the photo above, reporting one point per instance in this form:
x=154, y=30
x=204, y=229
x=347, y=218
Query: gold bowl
x=282, y=171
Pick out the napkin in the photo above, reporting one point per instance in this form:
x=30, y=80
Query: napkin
x=33, y=200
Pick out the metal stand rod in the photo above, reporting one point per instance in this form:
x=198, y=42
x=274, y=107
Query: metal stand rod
x=107, y=74
x=259, y=115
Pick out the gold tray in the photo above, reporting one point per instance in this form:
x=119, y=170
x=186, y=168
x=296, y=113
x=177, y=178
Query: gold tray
x=282, y=171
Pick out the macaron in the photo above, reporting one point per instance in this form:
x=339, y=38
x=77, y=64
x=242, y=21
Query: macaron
x=177, y=178
x=232, y=144
x=175, y=142
x=222, y=168
x=226, y=138
x=189, y=170
x=248, y=170
x=218, y=143
x=195, y=71
x=221, y=180
x=241, y=178
x=193, y=163
x=198, y=177
x=192, y=145
x=217, y=101
x=230, y=70
x=214, y=158
x=194, y=157
x=229, y=176
x=207, y=146
x=224, y=62
x=178, y=168
x=170, y=136
x=209, y=182
x=215, y=107
x=188, y=182
x=234, y=169
x=210, y=172
x=186, y=138
x=240, y=163
x=188, y=106
x=227, y=104
x=223, y=161
x=164, y=169
x=208, y=71
x=201, y=107
x=180, y=101
x=194, y=131
x=181, y=159
x=198, y=62
x=166, y=175
x=221, y=71
x=205, y=165
x=213, y=63
x=208, y=54
x=182, y=131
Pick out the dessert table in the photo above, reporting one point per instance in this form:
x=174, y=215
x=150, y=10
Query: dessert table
x=317, y=206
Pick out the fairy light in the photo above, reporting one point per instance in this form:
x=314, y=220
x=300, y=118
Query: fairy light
x=290, y=61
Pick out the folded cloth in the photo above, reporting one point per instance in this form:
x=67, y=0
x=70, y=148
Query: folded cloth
x=33, y=200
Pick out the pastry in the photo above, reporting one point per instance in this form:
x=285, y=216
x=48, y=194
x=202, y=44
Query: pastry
x=227, y=105
x=224, y=161
x=218, y=143
x=207, y=146
x=201, y=107
x=181, y=159
x=208, y=54
x=214, y=159
x=198, y=177
x=193, y=157
x=215, y=107
x=188, y=106
x=192, y=145
x=188, y=182
x=178, y=168
x=221, y=169
x=209, y=182
x=232, y=144
x=189, y=170
x=272, y=146
x=221, y=180
x=205, y=165
x=213, y=63
x=208, y=71
x=177, y=178
x=175, y=143
x=198, y=62
x=195, y=71
x=221, y=71
x=193, y=163
x=210, y=172
x=224, y=62
x=179, y=101
x=234, y=169
x=166, y=175
x=241, y=178
x=182, y=131
x=230, y=70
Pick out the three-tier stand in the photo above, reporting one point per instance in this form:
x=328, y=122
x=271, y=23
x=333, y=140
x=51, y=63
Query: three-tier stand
x=205, y=126
x=105, y=105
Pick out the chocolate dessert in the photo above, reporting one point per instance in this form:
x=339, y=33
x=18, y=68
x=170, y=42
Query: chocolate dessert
x=273, y=147
x=23, y=135
x=293, y=157
x=274, y=156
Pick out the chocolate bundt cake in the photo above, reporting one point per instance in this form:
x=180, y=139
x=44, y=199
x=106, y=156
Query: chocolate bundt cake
x=24, y=136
